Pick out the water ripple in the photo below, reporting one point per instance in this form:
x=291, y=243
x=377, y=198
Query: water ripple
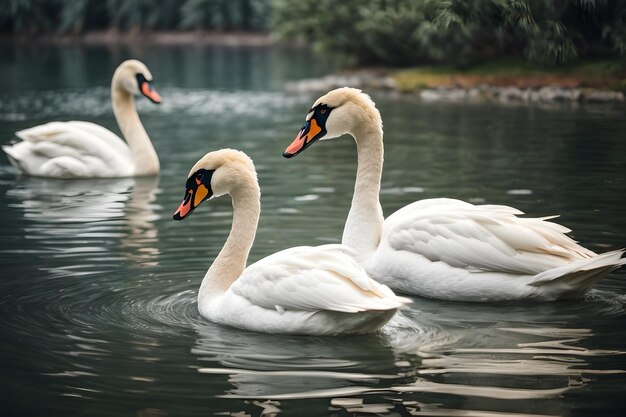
x=96, y=102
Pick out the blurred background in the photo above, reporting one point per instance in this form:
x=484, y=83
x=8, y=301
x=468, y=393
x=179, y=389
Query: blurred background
x=521, y=43
x=372, y=32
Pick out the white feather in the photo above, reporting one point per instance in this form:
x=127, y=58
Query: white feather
x=323, y=278
x=70, y=150
x=305, y=290
x=449, y=249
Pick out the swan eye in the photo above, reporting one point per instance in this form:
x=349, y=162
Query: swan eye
x=323, y=111
x=200, y=176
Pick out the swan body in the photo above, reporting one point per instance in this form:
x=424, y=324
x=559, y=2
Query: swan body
x=445, y=248
x=303, y=290
x=77, y=149
x=449, y=249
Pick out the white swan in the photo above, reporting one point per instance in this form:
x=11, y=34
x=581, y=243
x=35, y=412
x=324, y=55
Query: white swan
x=445, y=248
x=86, y=150
x=303, y=290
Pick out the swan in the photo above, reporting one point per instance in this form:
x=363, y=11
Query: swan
x=78, y=149
x=444, y=248
x=303, y=290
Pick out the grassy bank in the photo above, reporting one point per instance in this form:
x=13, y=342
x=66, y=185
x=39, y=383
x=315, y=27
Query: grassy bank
x=605, y=74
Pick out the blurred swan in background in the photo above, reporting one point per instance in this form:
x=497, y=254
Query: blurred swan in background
x=302, y=290
x=444, y=248
x=77, y=149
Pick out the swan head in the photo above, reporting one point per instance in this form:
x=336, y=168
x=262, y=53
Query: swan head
x=340, y=111
x=134, y=77
x=226, y=171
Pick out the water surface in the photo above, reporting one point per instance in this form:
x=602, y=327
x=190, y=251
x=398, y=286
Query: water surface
x=98, y=287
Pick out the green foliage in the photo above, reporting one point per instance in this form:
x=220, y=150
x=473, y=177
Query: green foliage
x=387, y=32
x=460, y=32
x=615, y=29
x=26, y=15
x=228, y=15
x=76, y=16
x=143, y=14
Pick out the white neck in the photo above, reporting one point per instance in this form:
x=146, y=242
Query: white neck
x=231, y=261
x=364, y=225
x=144, y=155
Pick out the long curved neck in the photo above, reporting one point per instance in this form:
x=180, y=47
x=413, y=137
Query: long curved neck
x=364, y=225
x=144, y=155
x=231, y=261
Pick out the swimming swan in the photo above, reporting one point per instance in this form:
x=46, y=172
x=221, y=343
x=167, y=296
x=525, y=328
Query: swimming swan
x=303, y=290
x=86, y=150
x=444, y=248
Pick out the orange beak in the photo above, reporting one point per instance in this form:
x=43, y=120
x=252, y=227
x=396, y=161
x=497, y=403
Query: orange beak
x=185, y=207
x=148, y=91
x=306, y=136
x=195, y=194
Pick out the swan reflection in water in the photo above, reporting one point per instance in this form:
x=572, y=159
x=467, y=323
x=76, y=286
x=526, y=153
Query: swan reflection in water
x=475, y=360
x=92, y=220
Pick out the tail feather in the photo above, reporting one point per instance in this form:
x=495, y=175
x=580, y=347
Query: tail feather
x=581, y=282
x=11, y=155
x=576, y=278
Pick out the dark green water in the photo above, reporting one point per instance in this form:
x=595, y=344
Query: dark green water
x=97, y=291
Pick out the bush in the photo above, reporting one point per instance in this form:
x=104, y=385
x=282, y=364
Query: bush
x=387, y=32
x=76, y=16
x=410, y=32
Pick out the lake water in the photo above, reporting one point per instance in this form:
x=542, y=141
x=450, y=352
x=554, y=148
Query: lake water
x=98, y=284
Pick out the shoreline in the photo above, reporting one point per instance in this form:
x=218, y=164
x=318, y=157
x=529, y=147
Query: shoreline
x=519, y=86
x=496, y=81
x=164, y=38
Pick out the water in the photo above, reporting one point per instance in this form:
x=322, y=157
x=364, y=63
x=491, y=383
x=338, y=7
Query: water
x=98, y=284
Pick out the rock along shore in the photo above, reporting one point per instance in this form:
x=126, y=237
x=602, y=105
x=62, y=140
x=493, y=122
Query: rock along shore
x=478, y=93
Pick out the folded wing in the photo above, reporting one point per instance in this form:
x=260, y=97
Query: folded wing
x=481, y=238
x=312, y=279
x=71, y=149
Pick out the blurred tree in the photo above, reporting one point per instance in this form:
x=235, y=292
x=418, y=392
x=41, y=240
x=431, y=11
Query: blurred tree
x=143, y=14
x=27, y=15
x=409, y=32
x=389, y=32
x=225, y=14
x=77, y=16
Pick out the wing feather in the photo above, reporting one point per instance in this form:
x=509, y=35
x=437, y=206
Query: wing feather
x=313, y=279
x=481, y=238
x=71, y=149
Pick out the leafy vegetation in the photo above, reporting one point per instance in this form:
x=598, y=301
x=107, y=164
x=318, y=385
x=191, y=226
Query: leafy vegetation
x=77, y=16
x=459, y=32
x=379, y=32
